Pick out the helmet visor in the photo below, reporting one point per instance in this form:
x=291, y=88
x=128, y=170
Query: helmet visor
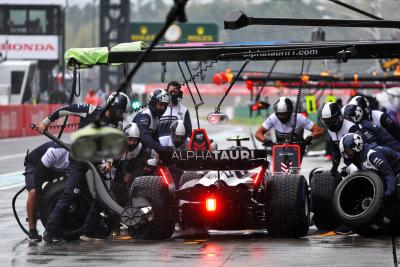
x=332, y=123
x=349, y=153
x=283, y=116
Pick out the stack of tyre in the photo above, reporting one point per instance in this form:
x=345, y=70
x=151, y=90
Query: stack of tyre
x=357, y=201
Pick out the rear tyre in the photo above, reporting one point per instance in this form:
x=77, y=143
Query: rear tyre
x=163, y=220
x=76, y=214
x=323, y=186
x=287, y=206
x=358, y=201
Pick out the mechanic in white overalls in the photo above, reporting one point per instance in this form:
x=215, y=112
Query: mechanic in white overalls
x=282, y=121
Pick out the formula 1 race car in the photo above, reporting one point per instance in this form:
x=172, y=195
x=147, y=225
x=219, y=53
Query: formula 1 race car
x=222, y=190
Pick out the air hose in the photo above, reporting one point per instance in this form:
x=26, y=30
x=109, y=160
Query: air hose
x=15, y=211
x=297, y=103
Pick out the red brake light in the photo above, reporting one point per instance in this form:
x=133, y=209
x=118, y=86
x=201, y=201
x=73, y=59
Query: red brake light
x=164, y=176
x=211, y=204
x=259, y=175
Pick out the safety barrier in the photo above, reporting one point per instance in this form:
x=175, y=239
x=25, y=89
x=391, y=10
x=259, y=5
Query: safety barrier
x=15, y=119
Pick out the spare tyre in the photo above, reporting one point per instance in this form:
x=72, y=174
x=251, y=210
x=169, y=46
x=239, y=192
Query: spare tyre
x=287, y=205
x=358, y=199
x=323, y=186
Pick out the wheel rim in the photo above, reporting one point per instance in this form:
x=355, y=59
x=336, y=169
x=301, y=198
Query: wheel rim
x=357, y=196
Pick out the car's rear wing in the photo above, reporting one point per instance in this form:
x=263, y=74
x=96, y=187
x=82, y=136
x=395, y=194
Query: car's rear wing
x=190, y=160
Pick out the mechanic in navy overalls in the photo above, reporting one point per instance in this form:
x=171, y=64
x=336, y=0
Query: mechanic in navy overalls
x=381, y=159
x=46, y=162
x=175, y=111
x=148, y=119
x=78, y=169
x=282, y=122
x=130, y=164
x=375, y=117
x=332, y=117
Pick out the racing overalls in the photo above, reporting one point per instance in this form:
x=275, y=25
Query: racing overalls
x=171, y=114
x=381, y=119
x=383, y=160
x=148, y=124
x=284, y=130
x=370, y=133
x=77, y=170
x=166, y=141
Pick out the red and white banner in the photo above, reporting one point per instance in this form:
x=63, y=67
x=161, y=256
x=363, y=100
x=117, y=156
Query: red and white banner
x=29, y=46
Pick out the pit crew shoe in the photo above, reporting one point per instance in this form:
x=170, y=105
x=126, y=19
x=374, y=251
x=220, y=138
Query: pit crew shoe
x=48, y=238
x=34, y=236
x=343, y=230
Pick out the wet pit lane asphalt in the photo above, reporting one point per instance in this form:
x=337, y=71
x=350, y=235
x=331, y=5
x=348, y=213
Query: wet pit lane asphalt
x=220, y=248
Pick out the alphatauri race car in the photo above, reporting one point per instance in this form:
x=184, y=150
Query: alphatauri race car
x=223, y=190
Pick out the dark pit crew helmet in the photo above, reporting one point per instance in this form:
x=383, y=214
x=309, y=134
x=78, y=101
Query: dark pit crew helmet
x=119, y=106
x=351, y=145
x=363, y=103
x=159, y=96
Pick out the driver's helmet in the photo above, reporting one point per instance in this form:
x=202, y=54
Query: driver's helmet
x=351, y=145
x=119, y=106
x=158, y=96
x=331, y=116
x=363, y=103
x=353, y=113
x=178, y=132
x=283, y=109
x=132, y=133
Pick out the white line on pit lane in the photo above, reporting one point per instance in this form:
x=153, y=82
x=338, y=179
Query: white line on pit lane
x=12, y=186
x=13, y=156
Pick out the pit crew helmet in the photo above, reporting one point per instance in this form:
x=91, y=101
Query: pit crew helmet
x=132, y=132
x=283, y=109
x=119, y=106
x=351, y=145
x=158, y=96
x=331, y=116
x=363, y=103
x=178, y=132
x=353, y=113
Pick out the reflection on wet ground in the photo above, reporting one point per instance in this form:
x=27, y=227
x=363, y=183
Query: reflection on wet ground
x=234, y=248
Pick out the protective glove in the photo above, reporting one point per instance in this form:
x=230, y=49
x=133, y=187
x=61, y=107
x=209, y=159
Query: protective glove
x=344, y=172
x=308, y=140
x=334, y=170
x=267, y=143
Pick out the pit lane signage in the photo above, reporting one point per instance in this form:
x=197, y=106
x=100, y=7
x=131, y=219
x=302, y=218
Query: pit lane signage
x=176, y=33
x=29, y=47
x=182, y=155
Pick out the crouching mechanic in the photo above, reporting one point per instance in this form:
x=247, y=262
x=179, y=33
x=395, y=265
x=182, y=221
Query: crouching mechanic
x=364, y=156
x=78, y=169
x=130, y=164
x=148, y=119
x=332, y=118
x=177, y=139
x=283, y=121
x=359, y=109
x=44, y=163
